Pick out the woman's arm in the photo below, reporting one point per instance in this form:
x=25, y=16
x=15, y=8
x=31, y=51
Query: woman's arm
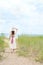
x=16, y=30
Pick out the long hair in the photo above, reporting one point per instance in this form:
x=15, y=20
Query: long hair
x=12, y=32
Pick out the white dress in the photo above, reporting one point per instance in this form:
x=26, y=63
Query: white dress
x=12, y=45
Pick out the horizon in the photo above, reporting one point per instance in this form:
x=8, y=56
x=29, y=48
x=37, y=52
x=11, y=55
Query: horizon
x=7, y=34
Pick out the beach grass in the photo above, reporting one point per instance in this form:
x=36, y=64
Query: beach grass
x=31, y=46
x=28, y=46
x=3, y=45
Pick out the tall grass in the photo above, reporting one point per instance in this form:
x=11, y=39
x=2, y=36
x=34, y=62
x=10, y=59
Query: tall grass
x=31, y=46
x=2, y=45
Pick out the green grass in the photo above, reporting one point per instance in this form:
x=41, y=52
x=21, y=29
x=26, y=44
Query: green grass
x=2, y=46
x=28, y=46
x=31, y=46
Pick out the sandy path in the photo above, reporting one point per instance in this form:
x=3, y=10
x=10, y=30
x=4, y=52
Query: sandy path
x=14, y=59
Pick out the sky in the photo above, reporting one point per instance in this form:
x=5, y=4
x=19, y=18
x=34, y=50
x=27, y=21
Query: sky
x=26, y=15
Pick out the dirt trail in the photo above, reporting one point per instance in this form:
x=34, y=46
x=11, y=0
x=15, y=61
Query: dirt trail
x=14, y=59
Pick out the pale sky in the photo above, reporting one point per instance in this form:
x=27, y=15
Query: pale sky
x=26, y=15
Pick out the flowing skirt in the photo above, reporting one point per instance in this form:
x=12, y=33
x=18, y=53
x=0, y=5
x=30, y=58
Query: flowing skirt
x=12, y=45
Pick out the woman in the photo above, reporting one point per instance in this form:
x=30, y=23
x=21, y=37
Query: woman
x=12, y=39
